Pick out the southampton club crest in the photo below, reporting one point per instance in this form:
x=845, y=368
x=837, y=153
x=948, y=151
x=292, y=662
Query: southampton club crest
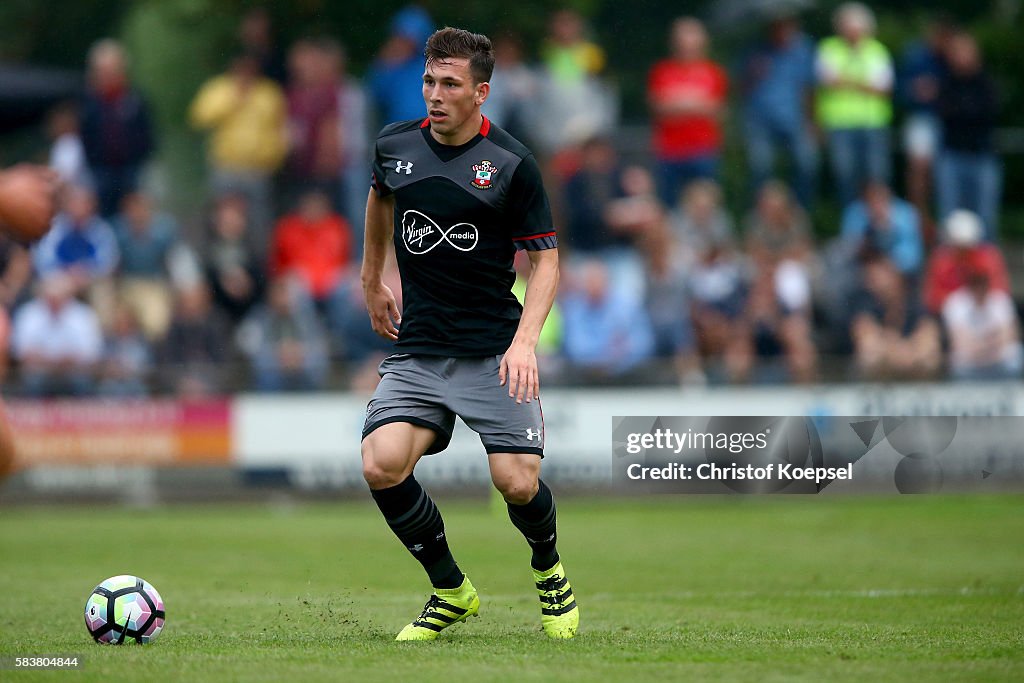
x=484, y=178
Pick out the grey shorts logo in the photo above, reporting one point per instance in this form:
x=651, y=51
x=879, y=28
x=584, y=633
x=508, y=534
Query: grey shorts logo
x=421, y=233
x=532, y=433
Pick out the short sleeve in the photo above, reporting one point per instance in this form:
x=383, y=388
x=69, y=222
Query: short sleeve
x=956, y=312
x=721, y=84
x=823, y=67
x=527, y=205
x=881, y=75
x=1001, y=308
x=377, y=175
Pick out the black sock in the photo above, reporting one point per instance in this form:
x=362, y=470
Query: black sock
x=416, y=521
x=536, y=520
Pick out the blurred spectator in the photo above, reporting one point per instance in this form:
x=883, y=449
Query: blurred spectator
x=314, y=158
x=962, y=252
x=568, y=56
x=969, y=174
x=231, y=264
x=57, y=341
x=718, y=292
x=855, y=75
x=194, y=353
x=700, y=223
x=778, y=241
x=588, y=193
x=884, y=223
x=79, y=242
x=313, y=245
x=146, y=239
x=778, y=230
x=355, y=136
x=67, y=153
x=247, y=116
x=667, y=300
x=514, y=88
x=606, y=334
x=83, y=246
x=5, y=344
x=777, y=81
x=572, y=103
x=116, y=129
x=285, y=341
x=360, y=347
x=687, y=97
x=779, y=317
x=984, y=331
x=127, y=357
x=630, y=217
x=549, y=344
x=893, y=338
x=256, y=37
x=922, y=69
x=395, y=79
x=15, y=272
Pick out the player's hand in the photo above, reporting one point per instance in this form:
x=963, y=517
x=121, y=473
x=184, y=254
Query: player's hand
x=383, y=310
x=518, y=370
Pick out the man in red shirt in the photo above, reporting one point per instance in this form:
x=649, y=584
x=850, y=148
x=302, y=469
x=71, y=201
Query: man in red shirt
x=687, y=97
x=961, y=254
x=313, y=244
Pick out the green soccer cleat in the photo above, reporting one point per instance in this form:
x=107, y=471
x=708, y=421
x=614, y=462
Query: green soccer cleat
x=445, y=607
x=559, y=614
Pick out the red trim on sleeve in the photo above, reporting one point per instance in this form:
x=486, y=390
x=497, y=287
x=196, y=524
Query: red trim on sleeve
x=534, y=237
x=426, y=122
x=485, y=127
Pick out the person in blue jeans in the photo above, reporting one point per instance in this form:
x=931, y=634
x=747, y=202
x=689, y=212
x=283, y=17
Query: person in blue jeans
x=969, y=173
x=777, y=83
x=922, y=68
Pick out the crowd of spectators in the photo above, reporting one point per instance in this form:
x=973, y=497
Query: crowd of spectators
x=664, y=280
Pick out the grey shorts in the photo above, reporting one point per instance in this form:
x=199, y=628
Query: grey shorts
x=429, y=391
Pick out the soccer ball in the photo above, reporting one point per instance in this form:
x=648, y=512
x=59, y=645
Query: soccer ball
x=122, y=608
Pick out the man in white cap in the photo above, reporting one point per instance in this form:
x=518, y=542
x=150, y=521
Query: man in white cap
x=962, y=252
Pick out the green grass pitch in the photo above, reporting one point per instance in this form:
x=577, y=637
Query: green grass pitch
x=670, y=588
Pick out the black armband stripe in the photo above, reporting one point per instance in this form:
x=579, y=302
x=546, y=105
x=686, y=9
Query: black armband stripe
x=547, y=241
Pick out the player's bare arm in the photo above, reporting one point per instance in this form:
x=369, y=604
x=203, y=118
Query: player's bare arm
x=519, y=364
x=380, y=300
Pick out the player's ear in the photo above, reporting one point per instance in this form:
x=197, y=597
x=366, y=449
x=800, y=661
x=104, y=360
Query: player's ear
x=482, y=91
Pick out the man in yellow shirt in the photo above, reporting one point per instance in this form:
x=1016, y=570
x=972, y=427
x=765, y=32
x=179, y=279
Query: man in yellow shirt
x=854, y=107
x=246, y=114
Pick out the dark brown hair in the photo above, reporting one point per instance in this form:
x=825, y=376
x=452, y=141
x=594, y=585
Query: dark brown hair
x=457, y=43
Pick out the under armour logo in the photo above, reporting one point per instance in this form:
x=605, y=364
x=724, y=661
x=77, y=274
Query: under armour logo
x=531, y=433
x=405, y=166
x=421, y=233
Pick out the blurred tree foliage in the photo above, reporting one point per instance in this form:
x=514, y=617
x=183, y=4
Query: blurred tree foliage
x=176, y=44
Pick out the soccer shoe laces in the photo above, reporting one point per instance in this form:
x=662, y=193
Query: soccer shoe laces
x=433, y=602
x=550, y=589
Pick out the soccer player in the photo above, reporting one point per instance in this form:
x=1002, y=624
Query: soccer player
x=458, y=196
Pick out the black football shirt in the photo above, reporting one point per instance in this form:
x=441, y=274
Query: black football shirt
x=461, y=212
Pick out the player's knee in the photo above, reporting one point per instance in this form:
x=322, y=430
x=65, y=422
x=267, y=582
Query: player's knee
x=518, y=488
x=376, y=474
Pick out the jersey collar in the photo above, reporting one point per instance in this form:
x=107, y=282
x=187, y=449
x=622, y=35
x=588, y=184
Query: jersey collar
x=485, y=127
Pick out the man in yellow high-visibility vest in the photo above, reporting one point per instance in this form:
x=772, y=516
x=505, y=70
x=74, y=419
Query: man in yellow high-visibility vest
x=854, y=107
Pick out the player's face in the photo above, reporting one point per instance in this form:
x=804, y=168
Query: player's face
x=453, y=100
